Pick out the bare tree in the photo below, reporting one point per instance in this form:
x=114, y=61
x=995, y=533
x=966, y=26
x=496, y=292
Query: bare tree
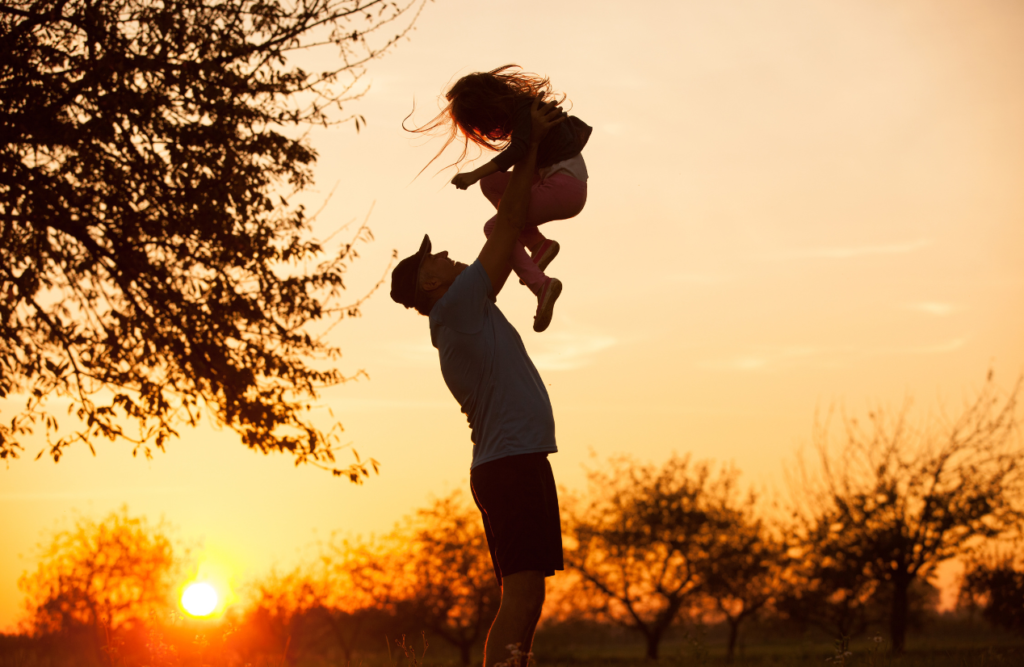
x=431, y=572
x=744, y=572
x=101, y=577
x=455, y=592
x=352, y=588
x=895, y=500
x=366, y=581
x=824, y=582
x=993, y=582
x=640, y=540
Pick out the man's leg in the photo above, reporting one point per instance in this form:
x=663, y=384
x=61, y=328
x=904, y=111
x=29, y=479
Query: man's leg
x=522, y=598
x=528, y=640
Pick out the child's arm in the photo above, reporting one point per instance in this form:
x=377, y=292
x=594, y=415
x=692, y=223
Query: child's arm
x=515, y=152
x=464, y=180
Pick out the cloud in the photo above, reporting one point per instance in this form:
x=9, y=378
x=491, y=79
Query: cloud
x=749, y=363
x=933, y=307
x=699, y=278
x=567, y=350
x=123, y=492
x=939, y=348
x=349, y=405
x=849, y=252
x=761, y=359
x=769, y=358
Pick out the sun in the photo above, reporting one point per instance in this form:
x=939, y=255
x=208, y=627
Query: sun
x=199, y=599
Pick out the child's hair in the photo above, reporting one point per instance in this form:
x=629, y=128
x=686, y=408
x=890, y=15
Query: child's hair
x=482, y=105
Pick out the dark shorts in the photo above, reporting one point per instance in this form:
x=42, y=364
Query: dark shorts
x=517, y=498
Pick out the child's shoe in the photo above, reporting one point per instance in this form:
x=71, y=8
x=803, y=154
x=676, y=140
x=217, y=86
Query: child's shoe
x=547, y=251
x=546, y=304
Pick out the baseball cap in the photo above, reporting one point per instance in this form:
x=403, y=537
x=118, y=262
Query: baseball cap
x=405, y=277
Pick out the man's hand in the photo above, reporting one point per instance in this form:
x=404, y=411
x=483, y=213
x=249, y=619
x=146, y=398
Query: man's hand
x=463, y=181
x=544, y=116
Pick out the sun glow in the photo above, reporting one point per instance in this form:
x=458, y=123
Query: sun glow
x=208, y=591
x=199, y=599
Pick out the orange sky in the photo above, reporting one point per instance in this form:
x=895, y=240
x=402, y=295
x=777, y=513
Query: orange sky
x=792, y=204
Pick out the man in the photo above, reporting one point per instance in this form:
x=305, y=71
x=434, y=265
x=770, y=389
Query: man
x=487, y=369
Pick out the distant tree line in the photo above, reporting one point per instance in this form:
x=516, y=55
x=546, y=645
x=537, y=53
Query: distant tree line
x=853, y=547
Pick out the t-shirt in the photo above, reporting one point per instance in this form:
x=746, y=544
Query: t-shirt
x=574, y=166
x=485, y=365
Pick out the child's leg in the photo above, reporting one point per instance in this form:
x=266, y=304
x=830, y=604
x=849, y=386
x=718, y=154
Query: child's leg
x=531, y=237
x=493, y=186
x=557, y=197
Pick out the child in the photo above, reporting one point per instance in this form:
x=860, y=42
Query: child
x=492, y=109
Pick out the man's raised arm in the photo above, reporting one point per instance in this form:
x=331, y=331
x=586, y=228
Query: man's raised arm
x=497, y=251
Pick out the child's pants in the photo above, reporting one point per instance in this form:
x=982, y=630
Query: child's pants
x=557, y=197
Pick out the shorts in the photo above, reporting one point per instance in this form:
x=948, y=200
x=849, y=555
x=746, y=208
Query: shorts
x=519, y=504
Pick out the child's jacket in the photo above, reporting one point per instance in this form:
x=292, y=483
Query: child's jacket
x=562, y=142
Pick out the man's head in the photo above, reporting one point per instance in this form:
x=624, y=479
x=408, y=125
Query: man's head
x=422, y=278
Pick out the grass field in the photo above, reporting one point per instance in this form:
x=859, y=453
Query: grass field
x=803, y=656
x=956, y=645
x=929, y=651
x=796, y=656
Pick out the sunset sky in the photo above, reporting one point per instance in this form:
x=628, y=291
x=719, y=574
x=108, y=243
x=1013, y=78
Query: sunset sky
x=793, y=205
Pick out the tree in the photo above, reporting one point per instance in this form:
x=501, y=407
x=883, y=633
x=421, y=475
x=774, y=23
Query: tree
x=825, y=584
x=101, y=578
x=360, y=587
x=994, y=582
x=895, y=500
x=743, y=574
x=150, y=265
x=432, y=571
x=641, y=540
x=454, y=589
x=368, y=581
x=349, y=592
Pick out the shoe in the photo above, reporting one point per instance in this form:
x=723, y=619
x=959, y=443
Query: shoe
x=546, y=304
x=547, y=251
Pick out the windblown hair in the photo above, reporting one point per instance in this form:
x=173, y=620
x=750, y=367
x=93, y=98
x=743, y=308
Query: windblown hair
x=481, y=106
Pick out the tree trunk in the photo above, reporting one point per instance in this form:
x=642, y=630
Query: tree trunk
x=898, y=617
x=464, y=654
x=339, y=632
x=734, y=631
x=653, y=639
x=100, y=643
